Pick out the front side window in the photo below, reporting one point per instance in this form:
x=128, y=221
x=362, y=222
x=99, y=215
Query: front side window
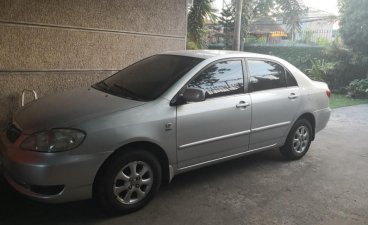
x=221, y=79
x=265, y=75
x=149, y=78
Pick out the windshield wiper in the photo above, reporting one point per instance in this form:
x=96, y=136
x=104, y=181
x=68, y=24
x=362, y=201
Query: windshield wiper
x=128, y=92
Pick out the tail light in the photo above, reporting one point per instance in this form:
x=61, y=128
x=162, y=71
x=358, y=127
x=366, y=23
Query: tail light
x=328, y=93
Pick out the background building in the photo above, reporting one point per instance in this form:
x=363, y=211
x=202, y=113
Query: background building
x=51, y=46
x=317, y=26
x=268, y=29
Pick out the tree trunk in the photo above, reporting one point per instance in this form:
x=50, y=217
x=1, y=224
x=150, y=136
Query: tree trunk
x=238, y=12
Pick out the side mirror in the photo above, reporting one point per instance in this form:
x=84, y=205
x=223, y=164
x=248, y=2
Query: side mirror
x=194, y=94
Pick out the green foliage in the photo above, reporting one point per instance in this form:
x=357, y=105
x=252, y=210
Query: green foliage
x=227, y=20
x=191, y=45
x=307, y=37
x=322, y=41
x=320, y=69
x=349, y=65
x=298, y=56
x=354, y=24
x=252, y=9
x=292, y=12
x=358, y=88
x=262, y=40
x=200, y=10
x=251, y=40
x=260, y=7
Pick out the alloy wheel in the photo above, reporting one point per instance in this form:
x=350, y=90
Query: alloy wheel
x=301, y=139
x=133, y=182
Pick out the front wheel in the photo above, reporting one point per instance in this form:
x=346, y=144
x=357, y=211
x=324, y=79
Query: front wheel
x=298, y=140
x=128, y=182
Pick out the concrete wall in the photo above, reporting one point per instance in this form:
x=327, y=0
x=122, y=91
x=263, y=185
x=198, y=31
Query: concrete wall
x=51, y=46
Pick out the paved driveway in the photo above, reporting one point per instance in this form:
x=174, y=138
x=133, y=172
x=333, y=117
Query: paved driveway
x=328, y=186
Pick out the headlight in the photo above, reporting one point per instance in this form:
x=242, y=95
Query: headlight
x=55, y=140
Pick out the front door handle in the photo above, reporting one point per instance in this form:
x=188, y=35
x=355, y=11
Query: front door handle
x=242, y=105
x=292, y=96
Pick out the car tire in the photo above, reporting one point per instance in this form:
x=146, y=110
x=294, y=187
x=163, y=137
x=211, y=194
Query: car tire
x=120, y=190
x=298, y=140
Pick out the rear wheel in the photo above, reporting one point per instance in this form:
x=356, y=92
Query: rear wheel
x=298, y=140
x=128, y=182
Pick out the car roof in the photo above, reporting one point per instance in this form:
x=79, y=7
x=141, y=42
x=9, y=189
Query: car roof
x=207, y=54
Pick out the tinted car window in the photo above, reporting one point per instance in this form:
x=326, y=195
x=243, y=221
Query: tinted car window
x=266, y=75
x=149, y=78
x=221, y=79
x=290, y=79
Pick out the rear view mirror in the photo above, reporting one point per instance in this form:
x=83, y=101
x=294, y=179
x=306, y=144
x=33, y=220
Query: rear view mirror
x=194, y=94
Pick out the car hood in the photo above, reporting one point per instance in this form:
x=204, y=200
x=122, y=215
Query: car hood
x=68, y=109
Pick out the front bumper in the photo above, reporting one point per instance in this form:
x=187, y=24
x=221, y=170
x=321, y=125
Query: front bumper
x=49, y=177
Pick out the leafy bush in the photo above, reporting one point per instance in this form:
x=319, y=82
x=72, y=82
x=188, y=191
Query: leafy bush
x=251, y=40
x=219, y=46
x=320, y=69
x=191, y=45
x=349, y=65
x=358, y=88
x=322, y=41
x=298, y=56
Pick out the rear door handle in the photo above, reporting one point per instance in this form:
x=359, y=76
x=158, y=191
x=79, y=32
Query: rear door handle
x=242, y=104
x=292, y=96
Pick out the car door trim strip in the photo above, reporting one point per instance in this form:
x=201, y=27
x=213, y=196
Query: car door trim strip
x=229, y=156
x=271, y=126
x=214, y=139
x=233, y=134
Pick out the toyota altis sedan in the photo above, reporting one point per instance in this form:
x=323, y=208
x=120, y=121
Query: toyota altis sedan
x=120, y=139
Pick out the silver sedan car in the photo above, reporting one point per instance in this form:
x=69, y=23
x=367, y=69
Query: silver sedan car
x=120, y=139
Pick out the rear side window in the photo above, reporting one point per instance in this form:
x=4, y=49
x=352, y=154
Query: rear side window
x=221, y=79
x=266, y=75
x=290, y=79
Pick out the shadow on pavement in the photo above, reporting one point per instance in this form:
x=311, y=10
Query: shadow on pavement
x=17, y=209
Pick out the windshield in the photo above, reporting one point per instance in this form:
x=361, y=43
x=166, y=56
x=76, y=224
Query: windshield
x=149, y=78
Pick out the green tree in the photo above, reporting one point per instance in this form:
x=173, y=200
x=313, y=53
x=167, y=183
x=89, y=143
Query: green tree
x=354, y=24
x=199, y=12
x=252, y=9
x=291, y=12
x=227, y=19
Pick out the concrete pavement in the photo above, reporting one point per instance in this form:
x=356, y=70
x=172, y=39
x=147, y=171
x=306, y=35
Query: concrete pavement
x=328, y=186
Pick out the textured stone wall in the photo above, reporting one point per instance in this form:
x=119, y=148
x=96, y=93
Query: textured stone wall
x=51, y=46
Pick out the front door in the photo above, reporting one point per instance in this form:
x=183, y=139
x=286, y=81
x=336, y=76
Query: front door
x=220, y=125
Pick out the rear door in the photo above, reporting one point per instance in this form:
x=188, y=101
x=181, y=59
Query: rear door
x=220, y=125
x=275, y=100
